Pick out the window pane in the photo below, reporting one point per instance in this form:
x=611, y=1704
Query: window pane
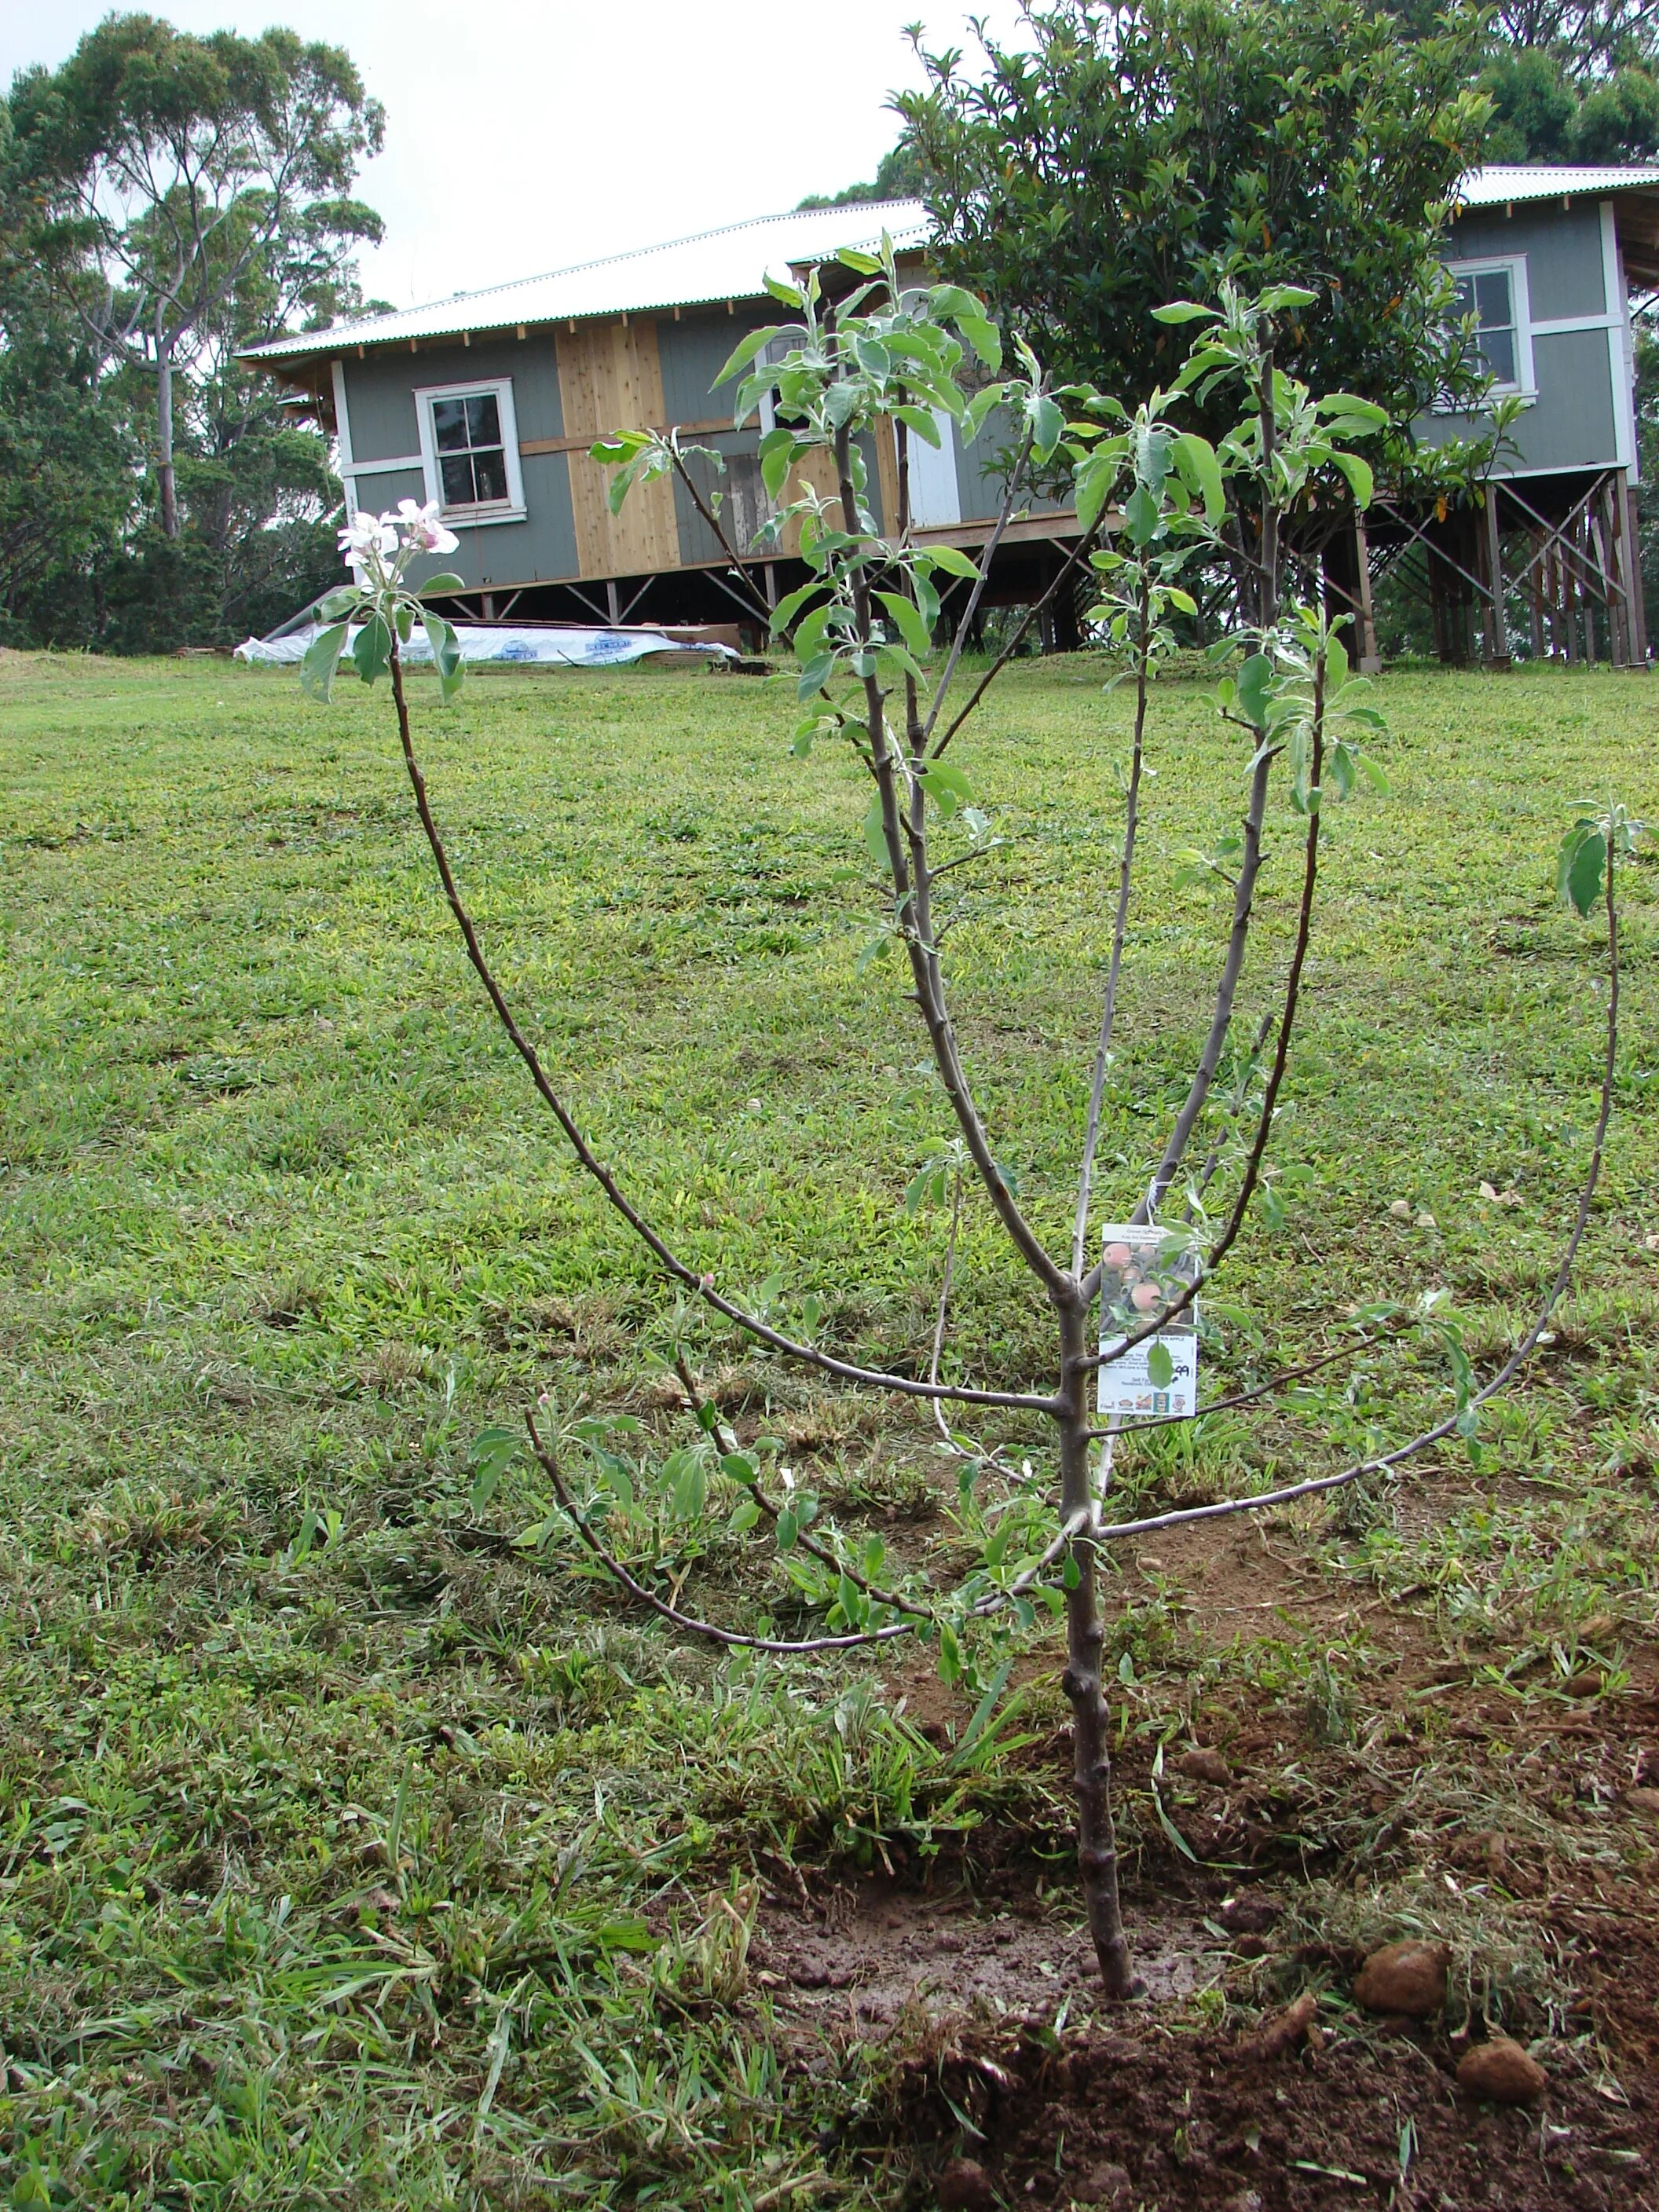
x=449, y=425
x=484, y=421
x=1462, y=297
x=1498, y=351
x=455, y=471
x=490, y=474
x=1491, y=293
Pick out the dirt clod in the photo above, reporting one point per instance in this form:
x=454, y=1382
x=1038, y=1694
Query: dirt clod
x=1644, y=1801
x=1282, y=2034
x=1502, y=2070
x=1108, y=2185
x=965, y=2186
x=1408, y=1977
x=1251, y=1913
x=1202, y=1764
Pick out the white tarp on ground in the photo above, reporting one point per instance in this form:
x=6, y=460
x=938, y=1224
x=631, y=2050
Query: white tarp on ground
x=560, y=648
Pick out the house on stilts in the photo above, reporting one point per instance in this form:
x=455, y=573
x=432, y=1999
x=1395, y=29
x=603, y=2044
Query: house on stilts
x=489, y=402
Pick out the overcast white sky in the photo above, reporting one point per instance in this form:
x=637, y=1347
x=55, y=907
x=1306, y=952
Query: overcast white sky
x=524, y=137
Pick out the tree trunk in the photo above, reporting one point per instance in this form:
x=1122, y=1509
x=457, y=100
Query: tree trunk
x=164, y=476
x=1097, y=1837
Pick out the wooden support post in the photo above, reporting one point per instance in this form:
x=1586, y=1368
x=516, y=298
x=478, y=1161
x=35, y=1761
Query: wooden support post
x=1638, y=589
x=613, y=600
x=1568, y=596
x=1612, y=509
x=1606, y=562
x=1585, y=549
x=1535, y=596
x=1496, y=628
x=1370, y=659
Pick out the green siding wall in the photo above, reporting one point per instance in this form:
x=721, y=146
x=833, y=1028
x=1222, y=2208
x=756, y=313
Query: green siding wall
x=381, y=402
x=1573, y=423
x=1563, y=250
x=693, y=351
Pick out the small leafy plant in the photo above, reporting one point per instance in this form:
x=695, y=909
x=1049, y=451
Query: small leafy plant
x=866, y=358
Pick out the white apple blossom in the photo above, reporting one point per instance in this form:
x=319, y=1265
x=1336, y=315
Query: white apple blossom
x=421, y=528
x=366, y=536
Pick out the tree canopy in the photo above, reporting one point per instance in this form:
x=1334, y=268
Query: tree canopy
x=1569, y=79
x=167, y=200
x=1116, y=157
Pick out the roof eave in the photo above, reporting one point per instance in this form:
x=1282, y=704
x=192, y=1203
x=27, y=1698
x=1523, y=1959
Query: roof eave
x=362, y=340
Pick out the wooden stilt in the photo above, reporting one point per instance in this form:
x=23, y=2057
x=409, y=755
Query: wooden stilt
x=1586, y=550
x=1535, y=595
x=1606, y=566
x=1632, y=566
x=1496, y=627
x=1370, y=660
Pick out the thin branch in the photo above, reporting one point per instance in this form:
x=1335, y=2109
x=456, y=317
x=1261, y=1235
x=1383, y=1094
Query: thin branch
x=903, y=832
x=944, y=1301
x=1074, y=1525
x=1280, y=1381
x=1005, y=516
x=1108, y=1010
x=689, y=1276
x=1253, y=1159
x=1112, y=1531
x=1226, y=991
x=1085, y=545
x=712, y=520
x=1206, y=1173
x=708, y=1421
x=1244, y=888
x=714, y=1634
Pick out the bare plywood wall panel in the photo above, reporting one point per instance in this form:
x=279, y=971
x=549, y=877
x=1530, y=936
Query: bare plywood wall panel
x=818, y=469
x=610, y=379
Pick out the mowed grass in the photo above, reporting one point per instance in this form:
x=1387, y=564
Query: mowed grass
x=349, y=1854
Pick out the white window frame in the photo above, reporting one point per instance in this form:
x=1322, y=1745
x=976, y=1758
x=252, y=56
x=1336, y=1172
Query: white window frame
x=1514, y=266
x=512, y=509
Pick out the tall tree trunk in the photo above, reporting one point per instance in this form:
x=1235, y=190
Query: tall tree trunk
x=164, y=474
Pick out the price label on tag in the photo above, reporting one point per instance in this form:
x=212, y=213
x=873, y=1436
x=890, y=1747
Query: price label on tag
x=1143, y=1270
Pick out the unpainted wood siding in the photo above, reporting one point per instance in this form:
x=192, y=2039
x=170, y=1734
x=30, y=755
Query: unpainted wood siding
x=1575, y=420
x=610, y=379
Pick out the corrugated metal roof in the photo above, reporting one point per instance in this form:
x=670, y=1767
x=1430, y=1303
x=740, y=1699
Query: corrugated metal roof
x=715, y=265
x=1504, y=181
x=730, y=263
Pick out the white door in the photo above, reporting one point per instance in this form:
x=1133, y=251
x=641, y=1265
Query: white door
x=934, y=496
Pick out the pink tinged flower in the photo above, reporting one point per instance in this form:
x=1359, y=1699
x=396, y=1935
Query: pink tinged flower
x=421, y=528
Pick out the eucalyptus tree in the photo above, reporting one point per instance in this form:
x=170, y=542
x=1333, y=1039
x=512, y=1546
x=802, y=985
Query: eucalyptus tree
x=169, y=176
x=880, y=360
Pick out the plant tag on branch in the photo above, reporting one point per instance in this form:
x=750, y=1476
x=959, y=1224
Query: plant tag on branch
x=1145, y=1269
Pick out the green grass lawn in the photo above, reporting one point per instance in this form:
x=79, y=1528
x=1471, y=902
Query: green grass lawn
x=366, y=1860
